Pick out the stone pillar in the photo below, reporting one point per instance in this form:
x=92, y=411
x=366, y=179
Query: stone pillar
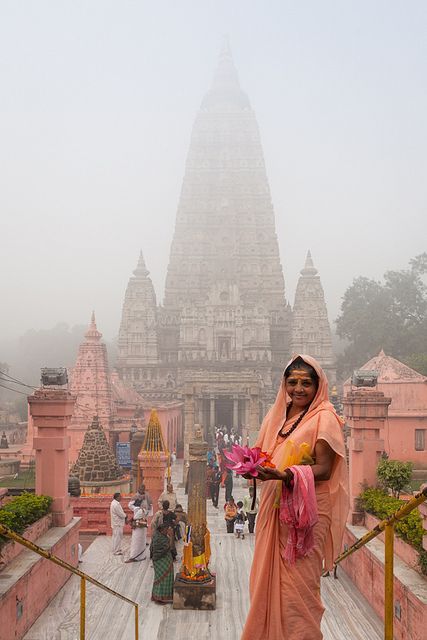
x=201, y=419
x=235, y=412
x=365, y=412
x=195, y=586
x=51, y=411
x=189, y=420
x=153, y=467
x=197, y=493
x=212, y=412
x=253, y=422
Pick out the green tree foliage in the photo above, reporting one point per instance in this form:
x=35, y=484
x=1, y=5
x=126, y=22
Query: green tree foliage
x=394, y=475
x=389, y=315
x=418, y=361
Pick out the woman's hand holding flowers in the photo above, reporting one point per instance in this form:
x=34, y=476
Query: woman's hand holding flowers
x=266, y=473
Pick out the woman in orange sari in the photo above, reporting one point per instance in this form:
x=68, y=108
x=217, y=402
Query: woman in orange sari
x=300, y=428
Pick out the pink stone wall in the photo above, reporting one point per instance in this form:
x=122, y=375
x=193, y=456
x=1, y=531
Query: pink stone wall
x=11, y=549
x=406, y=413
x=367, y=573
x=95, y=513
x=37, y=588
x=399, y=438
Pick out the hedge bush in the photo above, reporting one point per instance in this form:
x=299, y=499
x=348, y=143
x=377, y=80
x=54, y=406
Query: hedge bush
x=410, y=529
x=23, y=510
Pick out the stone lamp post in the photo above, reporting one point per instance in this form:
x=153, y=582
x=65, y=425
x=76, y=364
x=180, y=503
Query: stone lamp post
x=195, y=586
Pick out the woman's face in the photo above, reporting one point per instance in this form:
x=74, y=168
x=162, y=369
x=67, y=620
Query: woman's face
x=300, y=388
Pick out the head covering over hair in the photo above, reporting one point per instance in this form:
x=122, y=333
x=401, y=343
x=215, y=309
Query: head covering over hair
x=276, y=416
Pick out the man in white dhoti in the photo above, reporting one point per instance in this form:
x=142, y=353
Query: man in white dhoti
x=118, y=521
x=139, y=531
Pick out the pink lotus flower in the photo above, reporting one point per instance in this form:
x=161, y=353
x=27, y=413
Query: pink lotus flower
x=246, y=460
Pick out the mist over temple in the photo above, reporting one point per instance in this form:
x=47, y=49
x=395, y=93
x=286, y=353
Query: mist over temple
x=219, y=448
x=225, y=329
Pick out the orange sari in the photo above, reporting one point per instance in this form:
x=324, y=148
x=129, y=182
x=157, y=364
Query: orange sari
x=285, y=600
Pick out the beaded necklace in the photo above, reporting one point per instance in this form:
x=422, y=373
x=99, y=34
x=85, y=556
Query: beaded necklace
x=294, y=426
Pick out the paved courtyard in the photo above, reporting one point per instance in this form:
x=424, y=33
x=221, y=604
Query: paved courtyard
x=348, y=616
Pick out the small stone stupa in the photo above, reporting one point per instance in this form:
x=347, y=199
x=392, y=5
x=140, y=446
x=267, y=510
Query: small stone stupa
x=96, y=466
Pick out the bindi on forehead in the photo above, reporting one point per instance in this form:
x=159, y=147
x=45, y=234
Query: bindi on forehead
x=300, y=374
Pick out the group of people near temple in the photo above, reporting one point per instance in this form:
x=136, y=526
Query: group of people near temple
x=226, y=437
x=298, y=518
x=167, y=527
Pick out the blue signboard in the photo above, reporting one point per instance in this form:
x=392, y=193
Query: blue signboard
x=123, y=454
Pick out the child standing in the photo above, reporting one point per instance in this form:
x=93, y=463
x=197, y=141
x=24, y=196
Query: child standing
x=239, y=523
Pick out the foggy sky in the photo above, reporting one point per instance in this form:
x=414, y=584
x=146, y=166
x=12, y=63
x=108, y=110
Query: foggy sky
x=97, y=102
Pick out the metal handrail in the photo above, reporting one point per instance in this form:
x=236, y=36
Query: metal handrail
x=386, y=525
x=5, y=531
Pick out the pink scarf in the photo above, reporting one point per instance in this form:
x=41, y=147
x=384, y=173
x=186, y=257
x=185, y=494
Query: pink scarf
x=298, y=509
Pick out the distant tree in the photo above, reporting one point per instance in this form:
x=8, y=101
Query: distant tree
x=394, y=475
x=20, y=406
x=391, y=315
x=418, y=361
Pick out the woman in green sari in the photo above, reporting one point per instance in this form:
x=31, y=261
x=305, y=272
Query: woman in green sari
x=163, y=566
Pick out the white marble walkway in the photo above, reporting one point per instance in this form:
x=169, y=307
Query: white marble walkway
x=348, y=616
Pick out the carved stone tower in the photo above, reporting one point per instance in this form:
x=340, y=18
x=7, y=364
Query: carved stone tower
x=90, y=383
x=223, y=335
x=311, y=332
x=138, y=342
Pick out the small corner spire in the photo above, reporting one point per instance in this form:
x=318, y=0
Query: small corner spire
x=226, y=76
x=225, y=48
x=92, y=333
x=309, y=268
x=141, y=270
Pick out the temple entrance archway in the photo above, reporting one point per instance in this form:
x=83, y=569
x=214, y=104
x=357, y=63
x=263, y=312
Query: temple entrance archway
x=224, y=411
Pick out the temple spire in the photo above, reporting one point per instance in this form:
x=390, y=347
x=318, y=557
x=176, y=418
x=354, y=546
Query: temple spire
x=141, y=270
x=311, y=332
x=309, y=268
x=226, y=76
x=92, y=333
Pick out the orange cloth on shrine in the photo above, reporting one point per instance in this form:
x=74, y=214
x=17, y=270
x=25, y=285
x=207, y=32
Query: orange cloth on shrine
x=285, y=600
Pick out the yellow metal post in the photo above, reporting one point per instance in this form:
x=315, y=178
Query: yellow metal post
x=388, y=582
x=136, y=623
x=82, y=609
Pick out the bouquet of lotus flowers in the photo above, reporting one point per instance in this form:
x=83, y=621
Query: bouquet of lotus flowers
x=246, y=460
